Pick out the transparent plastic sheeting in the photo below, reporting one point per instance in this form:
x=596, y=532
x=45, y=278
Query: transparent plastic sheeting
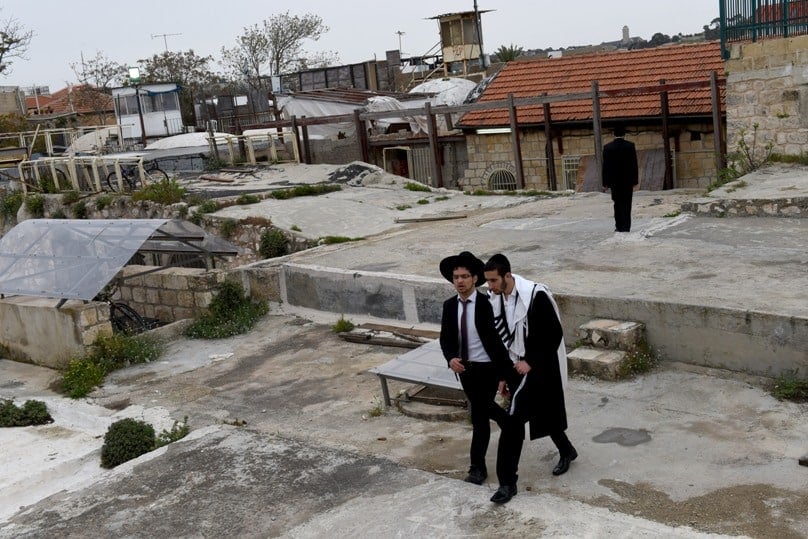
x=69, y=258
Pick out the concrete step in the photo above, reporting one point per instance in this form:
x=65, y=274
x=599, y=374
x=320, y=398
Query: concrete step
x=598, y=362
x=612, y=334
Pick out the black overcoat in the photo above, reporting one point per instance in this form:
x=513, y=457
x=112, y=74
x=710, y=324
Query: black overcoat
x=541, y=401
x=620, y=171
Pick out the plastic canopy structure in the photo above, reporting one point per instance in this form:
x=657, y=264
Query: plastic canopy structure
x=76, y=258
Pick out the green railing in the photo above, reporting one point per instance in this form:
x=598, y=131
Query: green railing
x=754, y=20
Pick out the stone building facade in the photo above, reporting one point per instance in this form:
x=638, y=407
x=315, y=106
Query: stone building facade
x=767, y=87
x=691, y=144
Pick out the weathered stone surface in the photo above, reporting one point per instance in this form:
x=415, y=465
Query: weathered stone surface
x=612, y=334
x=603, y=364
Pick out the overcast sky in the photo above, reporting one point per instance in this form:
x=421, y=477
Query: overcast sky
x=359, y=29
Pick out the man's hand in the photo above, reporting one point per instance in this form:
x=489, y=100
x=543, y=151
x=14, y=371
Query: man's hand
x=456, y=364
x=503, y=389
x=522, y=366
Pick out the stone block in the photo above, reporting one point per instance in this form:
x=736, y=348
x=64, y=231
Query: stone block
x=612, y=334
x=167, y=297
x=603, y=364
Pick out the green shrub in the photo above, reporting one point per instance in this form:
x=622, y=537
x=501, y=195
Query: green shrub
x=231, y=312
x=228, y=227
x=423, y=201
x=108, y=353
x=415, y=186
x=247, y=199
x=208, y=206
x=118, y=350
x=102, y=202
x=273, y=243
x=70, y=197
x=125, y=440
x=10, y=202
x=80, y=210
x=33, y=412
x=328, y=240
x=166, y=191
x=177, y=432
x=81, y=376
x=305, y=191
x=342, y=325
x=46, y=183
x=35, y=204
x=638, y=361
x=789, y=386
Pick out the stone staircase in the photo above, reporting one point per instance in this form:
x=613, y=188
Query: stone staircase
x=605, y=345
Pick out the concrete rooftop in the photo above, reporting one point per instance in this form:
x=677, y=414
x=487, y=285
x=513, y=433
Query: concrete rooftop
x=684, y=451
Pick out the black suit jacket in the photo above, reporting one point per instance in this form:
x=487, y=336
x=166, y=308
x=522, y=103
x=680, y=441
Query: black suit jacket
x=620, y=171
x=484, y=322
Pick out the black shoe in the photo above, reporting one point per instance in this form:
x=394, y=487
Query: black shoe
x=504, y=494
x=564, y=464
x=476, y=476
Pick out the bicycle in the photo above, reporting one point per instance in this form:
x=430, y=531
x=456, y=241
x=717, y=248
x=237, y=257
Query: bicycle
x=130, y=176
x=124, y=318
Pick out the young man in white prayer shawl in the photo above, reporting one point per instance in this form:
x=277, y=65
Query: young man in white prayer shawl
x=528, y=321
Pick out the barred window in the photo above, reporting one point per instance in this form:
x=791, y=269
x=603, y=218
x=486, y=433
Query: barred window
x=502, y=180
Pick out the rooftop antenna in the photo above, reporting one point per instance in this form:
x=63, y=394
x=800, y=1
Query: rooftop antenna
x=400, y=33
x=164, y=36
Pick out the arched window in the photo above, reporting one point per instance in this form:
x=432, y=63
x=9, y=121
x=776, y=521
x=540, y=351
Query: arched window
x=502, y=180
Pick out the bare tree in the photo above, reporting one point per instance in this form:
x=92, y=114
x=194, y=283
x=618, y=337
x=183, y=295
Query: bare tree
x=14, y=42
x=97, y=76
x=249, y=57
x=99, y=71
x=274, y=47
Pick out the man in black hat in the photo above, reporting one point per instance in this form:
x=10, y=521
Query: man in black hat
x=474, y=351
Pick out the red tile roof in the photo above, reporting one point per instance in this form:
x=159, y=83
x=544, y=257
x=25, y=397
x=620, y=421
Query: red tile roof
x=613, y=71
x=82, y=99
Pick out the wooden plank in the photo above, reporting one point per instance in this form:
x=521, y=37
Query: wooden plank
x=428, y=334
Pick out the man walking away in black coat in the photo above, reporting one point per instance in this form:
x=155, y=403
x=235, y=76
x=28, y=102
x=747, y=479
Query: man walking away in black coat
x=527, y=319
x=620, y=173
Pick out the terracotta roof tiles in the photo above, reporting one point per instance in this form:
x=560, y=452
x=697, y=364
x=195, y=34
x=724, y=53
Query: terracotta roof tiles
x=613, y=71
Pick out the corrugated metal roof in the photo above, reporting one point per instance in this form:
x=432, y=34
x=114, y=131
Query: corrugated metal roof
x=613, y=71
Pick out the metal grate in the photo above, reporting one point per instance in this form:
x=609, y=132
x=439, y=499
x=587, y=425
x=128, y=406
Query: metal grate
x=502, y=180
x=569, y=170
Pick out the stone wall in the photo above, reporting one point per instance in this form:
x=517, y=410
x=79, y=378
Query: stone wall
x=767, y=86
x=35, y=331
x=783, y=207
x=694, y=166
x=168, y=294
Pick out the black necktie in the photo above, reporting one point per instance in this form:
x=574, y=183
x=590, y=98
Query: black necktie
x=464, y=336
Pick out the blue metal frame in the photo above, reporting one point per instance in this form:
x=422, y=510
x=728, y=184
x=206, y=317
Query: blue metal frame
x=753, y=20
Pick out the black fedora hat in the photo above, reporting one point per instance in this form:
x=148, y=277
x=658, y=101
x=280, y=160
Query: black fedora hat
x=463, y=260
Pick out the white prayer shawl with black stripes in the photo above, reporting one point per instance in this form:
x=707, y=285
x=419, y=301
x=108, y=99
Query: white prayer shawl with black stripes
x=524, y=290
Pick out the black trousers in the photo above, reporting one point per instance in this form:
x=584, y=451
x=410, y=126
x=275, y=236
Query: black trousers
x=512, y=437
x=480, y=384
x=622, y=209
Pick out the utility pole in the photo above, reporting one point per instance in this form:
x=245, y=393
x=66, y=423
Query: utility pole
x=479, y=36
x=164, y=36
x=400, y=33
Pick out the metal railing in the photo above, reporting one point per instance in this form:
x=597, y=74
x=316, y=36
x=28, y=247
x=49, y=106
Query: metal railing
x=754, y=20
